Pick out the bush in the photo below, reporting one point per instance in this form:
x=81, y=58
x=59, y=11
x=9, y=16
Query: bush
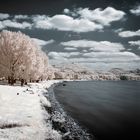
x=123, y=77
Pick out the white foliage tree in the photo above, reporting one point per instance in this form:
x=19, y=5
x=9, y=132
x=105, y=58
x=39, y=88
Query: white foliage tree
x=20, y=57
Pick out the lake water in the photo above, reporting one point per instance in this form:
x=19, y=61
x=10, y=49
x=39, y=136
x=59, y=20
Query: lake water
x=108, y=109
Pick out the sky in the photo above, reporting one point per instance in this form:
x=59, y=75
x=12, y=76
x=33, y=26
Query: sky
x=99, y=34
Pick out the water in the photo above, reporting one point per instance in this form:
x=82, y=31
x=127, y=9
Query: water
x=108, y=109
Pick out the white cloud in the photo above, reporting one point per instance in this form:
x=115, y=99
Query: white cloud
x=66, y=23
x=136, y=11
x=39, y=17
x=102, y=52
x=4, y=16
x=14, y=24
x=79, y=20
x=21, y=17
x=84, y=51
x=129, y=33
x=115, y=56
x=69, y=12
x=88, y=20
x=129, y=49
x=118, y=30
x=43, y=24
x=1, y=25
x=94, y=57
x=66, y=11
x=134, y=43
x=104, y=17
x=105, y=46
x=42, y=21
x=62, y=55
x=70, y=49
x=43, y=42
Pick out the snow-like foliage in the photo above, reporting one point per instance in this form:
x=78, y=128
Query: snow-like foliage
x=20, y=57
x=22, y=116
x=78, y=72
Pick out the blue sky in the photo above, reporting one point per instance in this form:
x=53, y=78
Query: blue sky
x=98, y=34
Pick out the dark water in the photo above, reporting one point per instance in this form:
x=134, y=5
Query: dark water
x=108, y=109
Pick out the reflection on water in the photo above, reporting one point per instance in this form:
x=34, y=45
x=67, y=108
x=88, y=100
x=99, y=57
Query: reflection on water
x=109, y=109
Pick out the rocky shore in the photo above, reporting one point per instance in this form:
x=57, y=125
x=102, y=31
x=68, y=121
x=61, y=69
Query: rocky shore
x=63, y=123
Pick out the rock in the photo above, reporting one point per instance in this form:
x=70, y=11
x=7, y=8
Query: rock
x=64, y=84
x=48, y=109
x=59, y=126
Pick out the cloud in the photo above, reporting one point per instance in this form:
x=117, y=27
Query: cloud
x=105, y=46
x=79, y=20
x=42, y=22
x=134, y=43
x=62, y=55
x=70, y=49
x=118, y=30
x=1, y=25
x=101, y=52
x=21, y=17
x=14, y=24
x=4, y=16
x=66, y=23
x=94, y=57
x=69, y=12
x=112, y=57
x=104, y=17
x=66, y=11
x=136, y=11
x=42, y=42
x=129, y=33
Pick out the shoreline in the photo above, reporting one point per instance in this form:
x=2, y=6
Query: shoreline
x=41, y=115
x=61, y=121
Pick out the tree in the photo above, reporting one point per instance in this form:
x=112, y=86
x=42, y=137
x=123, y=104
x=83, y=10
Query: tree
x=123, y=77
x=20, y=57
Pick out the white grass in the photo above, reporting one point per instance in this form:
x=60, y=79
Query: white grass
x=22, y=116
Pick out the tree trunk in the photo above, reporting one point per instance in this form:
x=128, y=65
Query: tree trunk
x=25, y=82
x=22, y=82
x=12, y=80
x=12, y=77
x=9, y=80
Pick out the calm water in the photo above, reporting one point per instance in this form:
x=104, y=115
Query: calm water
x=108, y=109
